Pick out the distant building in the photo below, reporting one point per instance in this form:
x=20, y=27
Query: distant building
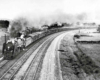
x=4, y=24
x=45, y=27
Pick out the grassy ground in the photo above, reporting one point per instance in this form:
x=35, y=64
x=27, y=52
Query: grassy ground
x=81, y=62
x=93, y=51
x=69, y=63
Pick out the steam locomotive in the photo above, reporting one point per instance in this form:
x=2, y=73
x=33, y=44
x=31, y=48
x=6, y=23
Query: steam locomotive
x=12, y=47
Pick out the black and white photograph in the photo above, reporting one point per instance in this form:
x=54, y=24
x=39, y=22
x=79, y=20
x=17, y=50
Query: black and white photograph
x=49, y=39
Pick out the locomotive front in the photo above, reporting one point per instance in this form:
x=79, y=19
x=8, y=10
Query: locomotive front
x=8, y=50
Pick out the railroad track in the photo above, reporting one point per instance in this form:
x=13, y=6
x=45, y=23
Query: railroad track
x=15, y=69
x=6, y=64
x=3, y=62
x=34, y=69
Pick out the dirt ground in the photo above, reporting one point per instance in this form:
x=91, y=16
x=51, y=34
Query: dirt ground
x=79, y=61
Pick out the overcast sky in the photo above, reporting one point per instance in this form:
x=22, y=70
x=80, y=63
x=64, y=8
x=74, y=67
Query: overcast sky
x=10, y=9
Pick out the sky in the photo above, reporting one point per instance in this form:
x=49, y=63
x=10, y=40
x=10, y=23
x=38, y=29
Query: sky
x=11, y=9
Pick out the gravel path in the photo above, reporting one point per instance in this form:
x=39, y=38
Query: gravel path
x=49, y=66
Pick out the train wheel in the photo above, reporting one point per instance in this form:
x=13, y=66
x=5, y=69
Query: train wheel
x=5, y=55
x=12, y=56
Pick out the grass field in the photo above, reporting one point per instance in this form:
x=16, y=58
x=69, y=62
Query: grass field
x=81, y=61
x=93, y=51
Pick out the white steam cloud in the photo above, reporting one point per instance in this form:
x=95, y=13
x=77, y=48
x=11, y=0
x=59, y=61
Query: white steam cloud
x=38, y=21
x=40, y=12
x=14, y=8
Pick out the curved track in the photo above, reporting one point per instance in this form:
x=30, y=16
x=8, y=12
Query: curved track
x=6, y=64
x=26, y=66
x=32, y=64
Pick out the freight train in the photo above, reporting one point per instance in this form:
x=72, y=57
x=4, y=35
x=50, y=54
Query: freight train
x=11, y=49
